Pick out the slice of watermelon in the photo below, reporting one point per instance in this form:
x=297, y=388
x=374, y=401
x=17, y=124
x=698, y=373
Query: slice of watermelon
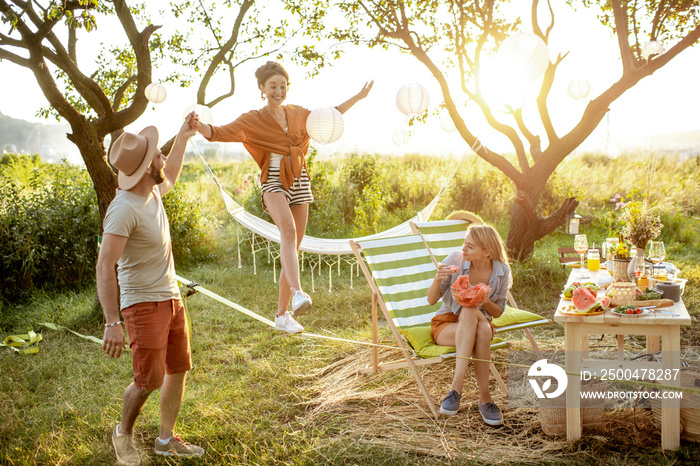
x=469, y=296
x=586, y=301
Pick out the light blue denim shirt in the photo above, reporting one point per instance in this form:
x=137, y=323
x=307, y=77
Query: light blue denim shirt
x=500, y=282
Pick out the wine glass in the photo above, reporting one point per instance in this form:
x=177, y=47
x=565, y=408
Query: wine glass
x=657, y=252
x=581, y=246
x=639, y=268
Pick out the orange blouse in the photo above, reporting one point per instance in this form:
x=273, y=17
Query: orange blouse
x=262, y=135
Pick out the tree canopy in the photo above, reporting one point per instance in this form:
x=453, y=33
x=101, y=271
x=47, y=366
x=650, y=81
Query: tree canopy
x=100, y=97
x=451, y=35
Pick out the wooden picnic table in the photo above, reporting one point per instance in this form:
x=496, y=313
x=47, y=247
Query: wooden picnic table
x=577, y=328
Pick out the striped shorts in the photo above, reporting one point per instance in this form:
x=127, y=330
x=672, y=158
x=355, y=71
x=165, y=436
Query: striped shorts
x=298, y=193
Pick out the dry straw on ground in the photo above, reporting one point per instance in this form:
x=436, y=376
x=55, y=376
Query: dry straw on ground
x=388, y=410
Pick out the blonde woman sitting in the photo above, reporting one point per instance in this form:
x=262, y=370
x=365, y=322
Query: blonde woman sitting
x=469, y=329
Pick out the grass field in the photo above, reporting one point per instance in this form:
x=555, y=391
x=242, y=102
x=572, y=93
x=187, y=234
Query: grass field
x=256, y=396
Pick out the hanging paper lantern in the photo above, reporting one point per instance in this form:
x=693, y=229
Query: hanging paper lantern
x=400, y=137
x=412, y=99
x=579, y=89
x=446, y=122
x=652, y=48
x=325, y=125
x=155, y=93
x=524, y=53
x=203, y=111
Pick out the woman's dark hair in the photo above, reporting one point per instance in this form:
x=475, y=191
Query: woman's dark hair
x=268, y=70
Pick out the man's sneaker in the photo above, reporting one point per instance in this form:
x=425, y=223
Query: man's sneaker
x=490, y=413
x=450, y=405
x=124, y=448
x=301, y=302
x=178, y=447
x=287, y=323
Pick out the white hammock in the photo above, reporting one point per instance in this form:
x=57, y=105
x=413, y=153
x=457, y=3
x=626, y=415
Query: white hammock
x=311, y=244
x=315, y=245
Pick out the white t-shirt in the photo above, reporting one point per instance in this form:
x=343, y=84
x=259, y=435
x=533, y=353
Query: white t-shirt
x=146, y=268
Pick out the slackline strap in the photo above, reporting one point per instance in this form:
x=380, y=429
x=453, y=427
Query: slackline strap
x=23, y=343
x=264, y=320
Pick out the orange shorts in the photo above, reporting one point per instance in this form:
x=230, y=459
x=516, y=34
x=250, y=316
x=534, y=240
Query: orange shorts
x=440, y=321
x=159, y=341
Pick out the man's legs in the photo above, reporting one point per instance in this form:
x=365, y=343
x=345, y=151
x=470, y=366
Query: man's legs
x=134, y=399
x=170, y=402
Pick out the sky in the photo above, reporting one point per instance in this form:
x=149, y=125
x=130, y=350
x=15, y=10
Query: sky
x=665, y=102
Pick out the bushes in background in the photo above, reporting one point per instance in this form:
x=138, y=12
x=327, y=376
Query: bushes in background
x=48, y=226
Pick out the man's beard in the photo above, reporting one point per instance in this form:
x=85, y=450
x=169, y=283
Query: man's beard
x=158, y=176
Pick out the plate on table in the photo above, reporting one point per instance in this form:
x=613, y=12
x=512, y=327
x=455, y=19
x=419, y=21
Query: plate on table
x=572, y=311
x=574, y=265
x=622, y=311
x=564, y=297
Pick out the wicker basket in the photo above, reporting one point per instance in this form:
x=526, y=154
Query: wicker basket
x=622, y=292
x=620, y=269
x=553, y=410
x=690, y=408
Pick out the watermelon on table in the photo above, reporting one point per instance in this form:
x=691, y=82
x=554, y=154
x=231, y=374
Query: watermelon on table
x=586, y=301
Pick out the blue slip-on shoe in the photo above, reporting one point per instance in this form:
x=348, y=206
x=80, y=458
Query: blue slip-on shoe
x=490, y=413
x=450, y=405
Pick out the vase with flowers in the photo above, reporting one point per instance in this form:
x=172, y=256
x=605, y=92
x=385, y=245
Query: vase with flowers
x=639, y=226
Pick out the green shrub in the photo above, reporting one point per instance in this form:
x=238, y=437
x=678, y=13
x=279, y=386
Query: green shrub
x=48, y=226
x=190, y=228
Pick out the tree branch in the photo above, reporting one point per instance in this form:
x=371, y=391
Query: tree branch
x=221, y=55
x=622, y=33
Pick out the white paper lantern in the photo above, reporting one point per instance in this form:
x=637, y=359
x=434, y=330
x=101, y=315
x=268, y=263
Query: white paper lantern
x=525, y=53
x=652, y=48
x=446, y=122
x=579, y=89
x=325, y=125
x=155, y=92
x=203, y=111
x=400, y=137
x=412, y=99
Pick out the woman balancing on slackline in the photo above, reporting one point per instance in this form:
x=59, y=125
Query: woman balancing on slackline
x=276, y=137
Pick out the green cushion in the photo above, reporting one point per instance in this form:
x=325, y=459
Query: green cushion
x=513, y=316
x=421, y=340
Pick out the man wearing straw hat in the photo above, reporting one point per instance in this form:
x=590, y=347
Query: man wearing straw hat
x=137, y=239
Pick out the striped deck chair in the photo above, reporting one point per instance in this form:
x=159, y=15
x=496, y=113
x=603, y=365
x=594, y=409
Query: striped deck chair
x=399, y=271
x=443, y=237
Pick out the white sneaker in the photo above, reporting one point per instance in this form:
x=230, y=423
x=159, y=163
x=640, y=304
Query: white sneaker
x=287, y=323
x=301, y=302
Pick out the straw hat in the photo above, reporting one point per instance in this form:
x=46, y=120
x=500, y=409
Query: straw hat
x=132, y=154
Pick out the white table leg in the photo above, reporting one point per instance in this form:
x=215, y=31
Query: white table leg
x=670, y=407
x=574, y=347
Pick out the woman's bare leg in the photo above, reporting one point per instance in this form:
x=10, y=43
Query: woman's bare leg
x=300, y=214
x=482, y=350
x=281, y=214
x=462, y=336
x=291, y=223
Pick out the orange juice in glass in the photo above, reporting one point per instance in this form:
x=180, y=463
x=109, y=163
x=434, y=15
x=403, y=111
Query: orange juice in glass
x=593, y=260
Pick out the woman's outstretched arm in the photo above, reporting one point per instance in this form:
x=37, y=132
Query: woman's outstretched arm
x=345, y=106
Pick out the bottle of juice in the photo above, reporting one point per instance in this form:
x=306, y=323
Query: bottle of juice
x=593, y=260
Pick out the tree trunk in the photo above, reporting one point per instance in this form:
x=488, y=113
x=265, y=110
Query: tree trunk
x=521, y=234
x=94, y=154
x=526, y=227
